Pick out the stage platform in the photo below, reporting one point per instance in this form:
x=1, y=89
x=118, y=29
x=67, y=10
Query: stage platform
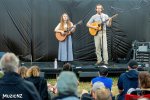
x=81, y=68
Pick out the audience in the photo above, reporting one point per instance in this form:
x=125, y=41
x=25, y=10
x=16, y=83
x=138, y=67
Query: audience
x=103, y=94
x=128, y=79
x=40, y=83
x=91, y=96
x=67, y=67
x=53, y=89
x=22, y=71
x=103, y=71
x=144, y=85
x=12, y=86
x=144, y=80
x=67, y=86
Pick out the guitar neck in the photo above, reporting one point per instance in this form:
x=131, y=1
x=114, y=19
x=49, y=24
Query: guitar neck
x=75, y=25
x=109, y=18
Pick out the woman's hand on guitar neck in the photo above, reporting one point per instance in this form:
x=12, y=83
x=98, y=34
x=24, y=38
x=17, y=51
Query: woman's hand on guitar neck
x=109, y=22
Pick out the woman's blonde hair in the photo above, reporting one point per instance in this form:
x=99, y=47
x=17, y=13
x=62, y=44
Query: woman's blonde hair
x=33, y=71
x=22, y=71
x=62, y=22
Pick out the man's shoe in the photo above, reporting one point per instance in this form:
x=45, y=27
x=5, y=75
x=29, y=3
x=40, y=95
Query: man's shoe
x=97, y=63
x=106, y=62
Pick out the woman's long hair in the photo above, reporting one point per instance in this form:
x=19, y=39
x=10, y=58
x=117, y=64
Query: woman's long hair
x=144, y=79
x=33, y=71
x=22, y=71
x=62, y=22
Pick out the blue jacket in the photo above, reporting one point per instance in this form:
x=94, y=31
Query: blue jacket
x=12, y=86
x=107, y=81
x=126, y=81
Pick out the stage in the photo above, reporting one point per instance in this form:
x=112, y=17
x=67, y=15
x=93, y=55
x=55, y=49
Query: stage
x=81, y=68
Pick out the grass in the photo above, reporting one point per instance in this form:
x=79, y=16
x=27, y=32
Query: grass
x=1, y=74
x=87, y=86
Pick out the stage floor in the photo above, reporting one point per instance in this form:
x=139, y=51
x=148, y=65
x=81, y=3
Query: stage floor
x=79, y=67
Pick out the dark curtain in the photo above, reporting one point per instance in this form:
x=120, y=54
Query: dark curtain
x=27, y=27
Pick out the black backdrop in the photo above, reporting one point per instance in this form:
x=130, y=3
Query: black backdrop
x=26, y=27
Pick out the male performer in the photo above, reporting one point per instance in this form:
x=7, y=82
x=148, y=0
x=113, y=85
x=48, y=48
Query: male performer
x=101, y=38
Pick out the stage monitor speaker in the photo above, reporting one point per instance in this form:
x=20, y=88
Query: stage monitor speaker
x=88, y=74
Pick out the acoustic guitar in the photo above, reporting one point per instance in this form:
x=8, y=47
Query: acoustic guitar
x=61, y=37
x=99, y=25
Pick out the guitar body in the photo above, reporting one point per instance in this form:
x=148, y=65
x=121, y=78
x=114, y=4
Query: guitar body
x=61, y=37
x=93, y=31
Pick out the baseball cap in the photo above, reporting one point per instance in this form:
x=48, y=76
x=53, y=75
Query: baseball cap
x=103, y=70
x=133, y=63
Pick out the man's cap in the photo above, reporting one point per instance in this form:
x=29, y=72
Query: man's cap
x=103, y=70
x=133, y=63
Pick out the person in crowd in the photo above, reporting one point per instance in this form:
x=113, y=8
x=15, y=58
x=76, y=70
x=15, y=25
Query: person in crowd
x=128, y=79
x=67, y=67
x=65, y=52
x=67, y=86
x=12, y=86
x=22, y=71
x=100, y=38
x=144, y=84
x=85, y=95
x=144, y=80
x=40, y=83
x=103, y=72
x=103, y=94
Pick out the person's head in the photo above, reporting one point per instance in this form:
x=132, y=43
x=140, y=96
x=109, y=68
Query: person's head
x=22, y=71
x=99, y=8
x=64, y=19
x=103, y=94
x=67, y=83
x=132, y=64
x=103, y=70
x=9, y=62
x=67, y=67
x=96, y=86
x=33, y=71
x=144, y=80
